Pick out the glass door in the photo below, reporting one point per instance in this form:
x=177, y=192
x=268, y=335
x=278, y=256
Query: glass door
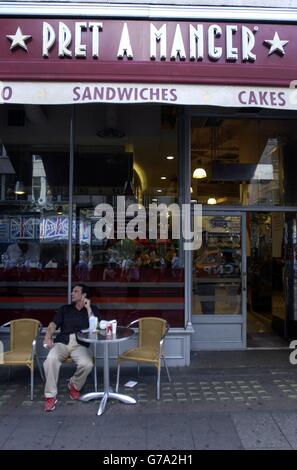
x=219, y=283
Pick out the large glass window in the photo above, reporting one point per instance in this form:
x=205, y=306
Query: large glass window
x=34, y=231
x=243, y=161
x=127, y=151
x=131, y=152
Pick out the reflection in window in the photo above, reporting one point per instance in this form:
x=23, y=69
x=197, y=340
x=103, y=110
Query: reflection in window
x=34, y=167
x=239, y=162
x=130, y=278
x=217, y=267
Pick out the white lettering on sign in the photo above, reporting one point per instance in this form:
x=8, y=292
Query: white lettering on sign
x=191, y=43
x=178, y=48
x=158, y=36
x=95, y=27
x=196, y=42
x=248, y=43
x=48, y=38
x=214, y=31
x=64, y=40
x=80, y=49
x=125, y=44
x=231, y=52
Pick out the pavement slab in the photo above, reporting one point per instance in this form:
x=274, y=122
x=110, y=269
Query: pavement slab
x=216, y=432
x=287, y=422
x=228, y=400
x=259, y=431
x=34, y=434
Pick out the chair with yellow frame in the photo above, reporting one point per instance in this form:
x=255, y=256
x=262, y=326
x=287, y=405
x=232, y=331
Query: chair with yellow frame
x=22, y=352
x=152, y=332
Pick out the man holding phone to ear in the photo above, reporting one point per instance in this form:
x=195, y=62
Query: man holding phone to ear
x=70, y=319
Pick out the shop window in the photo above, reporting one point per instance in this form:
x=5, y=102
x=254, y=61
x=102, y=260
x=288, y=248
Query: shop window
x=34, y=228
x=244, y=161
x=129, y=278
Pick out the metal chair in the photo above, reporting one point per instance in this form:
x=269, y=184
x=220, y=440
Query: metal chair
x=152, y=331
x=23, y=336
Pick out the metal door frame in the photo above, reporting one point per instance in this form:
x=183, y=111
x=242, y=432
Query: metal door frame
x=242, y=318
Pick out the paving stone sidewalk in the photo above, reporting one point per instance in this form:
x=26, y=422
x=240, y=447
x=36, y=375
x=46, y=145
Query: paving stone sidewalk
x=223, y=400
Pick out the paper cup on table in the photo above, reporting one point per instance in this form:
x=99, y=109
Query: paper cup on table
x=114, y=326
x=93, y=323
x=103, y=324
x=109, y=328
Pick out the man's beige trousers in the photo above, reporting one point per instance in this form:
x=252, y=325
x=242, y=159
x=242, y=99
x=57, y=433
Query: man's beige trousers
x=58, y=354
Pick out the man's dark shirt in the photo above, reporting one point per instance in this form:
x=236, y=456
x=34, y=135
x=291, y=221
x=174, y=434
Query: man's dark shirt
x=71, y=320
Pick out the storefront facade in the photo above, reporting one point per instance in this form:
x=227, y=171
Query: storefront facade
x=167, y=105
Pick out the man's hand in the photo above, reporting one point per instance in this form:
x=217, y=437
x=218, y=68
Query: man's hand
x=48, y=343
x=87, y=304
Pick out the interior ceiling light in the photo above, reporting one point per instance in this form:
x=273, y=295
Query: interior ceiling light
x=19, y=187
x=163, y=178
x=110, y=132
x=199, y=173
x=212, y=201
x=170, y=157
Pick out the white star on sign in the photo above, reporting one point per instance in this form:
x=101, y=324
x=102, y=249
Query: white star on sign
x=18, y=39
x=276, y=45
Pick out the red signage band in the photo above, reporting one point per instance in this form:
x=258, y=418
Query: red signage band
x=142, y=51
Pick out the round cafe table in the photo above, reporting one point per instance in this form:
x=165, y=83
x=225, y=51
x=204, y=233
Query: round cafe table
x=101, y=337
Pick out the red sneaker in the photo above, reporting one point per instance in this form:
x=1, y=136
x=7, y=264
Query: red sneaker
x=50, y=403
x=73, y=393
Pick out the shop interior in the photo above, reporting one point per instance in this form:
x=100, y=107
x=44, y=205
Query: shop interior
x=246, y=161
x=123, y=150
x=243, y=160
x=268, y=276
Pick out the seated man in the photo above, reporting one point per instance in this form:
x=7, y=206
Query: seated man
x=70, y=319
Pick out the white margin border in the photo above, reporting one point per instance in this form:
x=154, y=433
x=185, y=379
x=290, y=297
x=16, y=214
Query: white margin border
x=141, y=11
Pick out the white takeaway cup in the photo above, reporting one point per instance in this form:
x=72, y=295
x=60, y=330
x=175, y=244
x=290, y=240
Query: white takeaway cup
x=103, y=324
x=93, y=323
x=114, y=326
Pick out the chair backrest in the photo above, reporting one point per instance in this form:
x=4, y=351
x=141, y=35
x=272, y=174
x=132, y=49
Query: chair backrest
x=151, y=331
x=22, y=333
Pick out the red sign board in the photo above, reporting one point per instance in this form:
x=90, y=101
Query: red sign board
x=144, y=51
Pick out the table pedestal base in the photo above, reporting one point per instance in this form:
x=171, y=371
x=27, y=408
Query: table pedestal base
x=105, y=396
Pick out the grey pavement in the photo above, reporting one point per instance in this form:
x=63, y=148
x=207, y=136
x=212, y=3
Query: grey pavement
x=223, y=401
